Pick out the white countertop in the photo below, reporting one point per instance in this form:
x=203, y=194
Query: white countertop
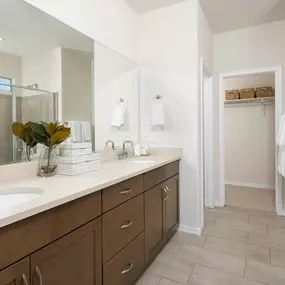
x=59, y=189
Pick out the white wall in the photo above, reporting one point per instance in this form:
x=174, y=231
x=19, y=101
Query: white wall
x=255, y=47
x=110, y=22
x=169, y=66
x=205, y=40
x=115, y=77
x=44, y=68
x=77, y=82
x=250, y=136
x=11, y=67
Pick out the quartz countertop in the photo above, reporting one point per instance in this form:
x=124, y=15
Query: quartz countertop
x=60, y=189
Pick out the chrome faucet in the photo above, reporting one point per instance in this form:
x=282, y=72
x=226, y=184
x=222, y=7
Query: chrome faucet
x=124, y=153
x=112, y=143
x=124, y=144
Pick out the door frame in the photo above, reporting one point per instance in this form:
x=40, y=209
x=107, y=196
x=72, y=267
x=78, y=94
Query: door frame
x=220, y=202
x=207, y=150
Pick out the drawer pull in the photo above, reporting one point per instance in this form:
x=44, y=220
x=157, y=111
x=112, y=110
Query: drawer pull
x=167, y=189
x=39, y=275
x=25, y=281
x=165, y=196
x=130, y=267
x=126, y=225
x=126, y=191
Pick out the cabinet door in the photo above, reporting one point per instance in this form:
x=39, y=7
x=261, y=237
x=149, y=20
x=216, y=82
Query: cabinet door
x=74, y=259
x=17, y=274
x=171, y=204
x=154, y=223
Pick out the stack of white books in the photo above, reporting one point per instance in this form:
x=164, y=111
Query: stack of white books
x=77, y=158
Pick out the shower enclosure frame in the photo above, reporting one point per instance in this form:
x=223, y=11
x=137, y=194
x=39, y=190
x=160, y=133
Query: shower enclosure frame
x=14, y=107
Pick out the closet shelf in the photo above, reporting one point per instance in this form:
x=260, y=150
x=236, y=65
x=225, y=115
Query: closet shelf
x=251, y=100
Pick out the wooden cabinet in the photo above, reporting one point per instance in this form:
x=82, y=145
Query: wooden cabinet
x=115, y=232
x=124, y=223
x=16, y=274
x=127, y=265
x=154, y=220
x=171, y=205
x=161, y=215
x=74, y=259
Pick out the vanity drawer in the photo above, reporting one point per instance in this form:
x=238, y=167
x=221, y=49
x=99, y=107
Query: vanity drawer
x=122, y=192
x=122, y=225
x=156, y=176
x=127, y=265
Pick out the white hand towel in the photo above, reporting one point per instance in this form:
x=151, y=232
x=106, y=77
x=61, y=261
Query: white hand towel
x=280, y=139
x=157, y=113
x=119, y=115
x=85, y=131
x=75, y=131
x=281, y=161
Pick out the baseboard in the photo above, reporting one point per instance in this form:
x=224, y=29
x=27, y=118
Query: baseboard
x=219, y=204
x=190, y=230
x=251, y=185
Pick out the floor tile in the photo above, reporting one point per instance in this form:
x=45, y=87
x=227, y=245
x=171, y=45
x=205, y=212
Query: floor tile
x=206, y=276
x=170, y=249
x=275, y=238
x=224, y=262
x=209, y=218
x=278, y=257
x=249, y=197
x=274, y=221
x=224, y=232
x=189, y=239
x=239, y=249
x=265, y=273
x=149, y=279
x=241, y=225
x=178, y=270
x=164, y=281
x=230, y=212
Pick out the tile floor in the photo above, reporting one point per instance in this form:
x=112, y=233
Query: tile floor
x=237, y=247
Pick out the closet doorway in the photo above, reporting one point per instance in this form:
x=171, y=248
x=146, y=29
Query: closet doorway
x=248, y=154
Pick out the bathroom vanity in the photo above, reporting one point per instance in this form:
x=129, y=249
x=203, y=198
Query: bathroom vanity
x=107, y=237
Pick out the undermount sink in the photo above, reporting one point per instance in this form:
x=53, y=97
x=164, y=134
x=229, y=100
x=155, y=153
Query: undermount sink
x=11, y=197
x=142, y=161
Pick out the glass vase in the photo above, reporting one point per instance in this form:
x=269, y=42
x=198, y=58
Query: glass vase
x=48, y=161
x=27, y=152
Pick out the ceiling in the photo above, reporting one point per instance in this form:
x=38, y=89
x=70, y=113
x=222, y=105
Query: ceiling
x=143, y=6
x=228, y=15
x=27, y=29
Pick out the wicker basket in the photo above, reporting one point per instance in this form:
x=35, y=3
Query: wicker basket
x=232, y=94
x=247, y=93
x=263, y=92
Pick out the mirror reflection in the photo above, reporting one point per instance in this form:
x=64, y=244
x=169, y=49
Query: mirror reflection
x=47, y=72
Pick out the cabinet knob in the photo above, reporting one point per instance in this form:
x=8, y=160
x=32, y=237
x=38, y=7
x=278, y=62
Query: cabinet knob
x=25, y=281
x=39, y=275
x=130, y=267
x=126, y=191
x=128, y=224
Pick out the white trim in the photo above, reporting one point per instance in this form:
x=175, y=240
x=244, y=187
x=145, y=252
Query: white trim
x=207, y=135
x=278, y=112
x=251, y=185
x=218, y=204
x=192, y=231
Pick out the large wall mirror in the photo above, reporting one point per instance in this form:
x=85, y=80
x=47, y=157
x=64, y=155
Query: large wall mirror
x=49, y=71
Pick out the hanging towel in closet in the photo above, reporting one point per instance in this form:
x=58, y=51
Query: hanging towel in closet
x=280, y=140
